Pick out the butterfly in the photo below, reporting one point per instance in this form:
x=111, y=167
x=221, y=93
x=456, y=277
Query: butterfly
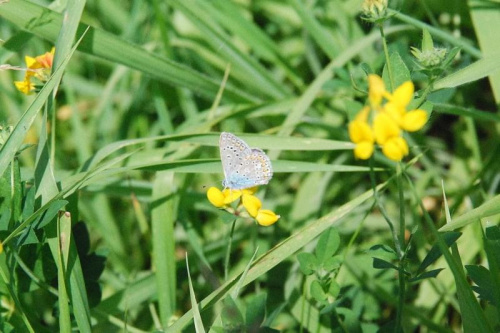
x=243, y=166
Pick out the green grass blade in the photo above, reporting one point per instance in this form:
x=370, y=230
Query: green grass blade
x=215, y=166
x=64, y=239
x=164, y=215
x=466, y=112
x=212, y=139
x=198, y=323
x=439, y=34
x=489, y=208
x=486, y=24
x=99, y=210
x=78, y=292
x=491, y=241
x=66, y=37
x=241, y=281
x=478, y=70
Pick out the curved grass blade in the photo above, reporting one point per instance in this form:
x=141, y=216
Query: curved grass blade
x=214, y=166
x=475, y=71
x=466, y=112
x=489, y=208
x=198, y=323
x=440, y=34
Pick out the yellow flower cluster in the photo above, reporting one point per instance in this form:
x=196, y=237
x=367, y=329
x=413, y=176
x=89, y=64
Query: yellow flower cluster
x=252, y=204
x=384, y=120
x=38, y=67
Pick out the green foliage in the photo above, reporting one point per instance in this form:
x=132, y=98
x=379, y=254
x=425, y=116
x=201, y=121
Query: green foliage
x=104, y=170
x=398, y=70
x=323, y=264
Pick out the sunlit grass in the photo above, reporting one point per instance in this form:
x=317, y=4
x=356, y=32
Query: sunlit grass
x=385, y=225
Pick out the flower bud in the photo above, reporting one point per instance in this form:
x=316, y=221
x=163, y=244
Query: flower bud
x=266, y=217
x=374, y=10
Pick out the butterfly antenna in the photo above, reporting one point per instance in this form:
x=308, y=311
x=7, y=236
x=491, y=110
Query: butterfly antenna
x=211, y=184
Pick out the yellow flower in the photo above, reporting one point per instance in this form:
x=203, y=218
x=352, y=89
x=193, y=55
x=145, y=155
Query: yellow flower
x=395, y=148
x=388, y=135
x=414, y=120
x=38, y=67
x=26, y=86
x=376, y=90
x=266, y=217
x=45, y=60
x=360, y=131
x=223, y=198
x=388, y=122
x=216, y=197
x=410, y=121
x=250, y=190
x=251, y=203
x=385, y=128
x=402, y=95
x=1, y=247
x=364, y=150
x=231, y=195
x=361, y=134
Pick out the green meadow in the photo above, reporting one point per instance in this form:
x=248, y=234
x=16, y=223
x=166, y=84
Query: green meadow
x=358, y=189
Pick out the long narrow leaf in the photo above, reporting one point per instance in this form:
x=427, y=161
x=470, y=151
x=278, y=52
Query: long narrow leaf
x=478, y=70
x=198, y=323
x=163, y=218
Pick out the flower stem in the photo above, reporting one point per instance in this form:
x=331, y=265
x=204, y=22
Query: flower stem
x=228, y=251
x=382, y=210
x=402, y=230
x=386, y=52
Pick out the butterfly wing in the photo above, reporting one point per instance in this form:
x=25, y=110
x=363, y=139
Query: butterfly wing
x=243, y=167
x=232, y=152
x=257, y=167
